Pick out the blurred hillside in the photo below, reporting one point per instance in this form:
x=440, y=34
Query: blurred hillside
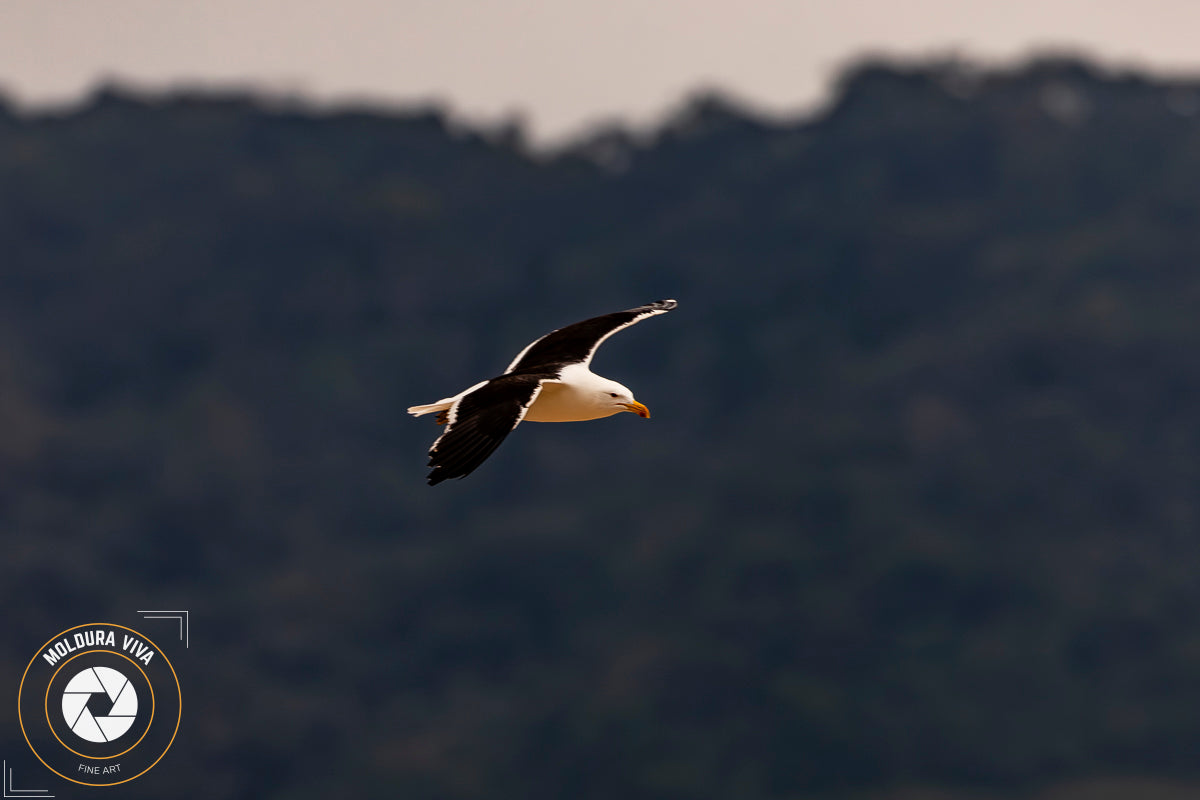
x=917, y=506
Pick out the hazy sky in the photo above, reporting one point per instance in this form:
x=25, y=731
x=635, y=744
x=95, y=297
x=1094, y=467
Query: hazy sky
x=561, y=63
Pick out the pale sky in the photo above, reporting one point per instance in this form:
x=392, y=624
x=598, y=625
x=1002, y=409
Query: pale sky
x=562, y=64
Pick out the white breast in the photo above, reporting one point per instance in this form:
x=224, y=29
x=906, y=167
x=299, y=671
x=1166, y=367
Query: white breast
x=576, y=397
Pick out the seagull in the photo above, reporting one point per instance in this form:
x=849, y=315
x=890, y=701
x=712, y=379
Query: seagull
x=548, y=381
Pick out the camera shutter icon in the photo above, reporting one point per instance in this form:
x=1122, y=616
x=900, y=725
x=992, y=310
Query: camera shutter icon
x=99, y=704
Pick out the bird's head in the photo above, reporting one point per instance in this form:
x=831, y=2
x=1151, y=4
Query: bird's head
x=615, y=395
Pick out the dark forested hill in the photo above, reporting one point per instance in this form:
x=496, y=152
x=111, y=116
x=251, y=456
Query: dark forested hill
x=917, y=506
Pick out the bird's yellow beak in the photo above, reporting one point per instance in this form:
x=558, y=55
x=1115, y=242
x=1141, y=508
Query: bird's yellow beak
x=637, y=408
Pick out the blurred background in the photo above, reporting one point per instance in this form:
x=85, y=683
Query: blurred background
x=915, y=517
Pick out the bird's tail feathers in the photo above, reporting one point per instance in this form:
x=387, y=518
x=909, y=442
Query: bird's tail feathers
x=440, y=405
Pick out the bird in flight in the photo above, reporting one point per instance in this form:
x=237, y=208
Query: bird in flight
x=548, y=381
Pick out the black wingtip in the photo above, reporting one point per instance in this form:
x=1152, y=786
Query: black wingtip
x=441, y=473
x=663, y=305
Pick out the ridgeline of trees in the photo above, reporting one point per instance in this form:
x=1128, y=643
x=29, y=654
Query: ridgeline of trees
x=917, y=506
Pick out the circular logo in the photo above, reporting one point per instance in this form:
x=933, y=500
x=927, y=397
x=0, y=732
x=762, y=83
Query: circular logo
x=99, y=704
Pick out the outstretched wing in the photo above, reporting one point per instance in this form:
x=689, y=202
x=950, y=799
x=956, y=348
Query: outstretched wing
x=578, y=342
x=478, y=422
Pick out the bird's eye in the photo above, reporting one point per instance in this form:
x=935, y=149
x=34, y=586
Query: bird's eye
x=612, y=394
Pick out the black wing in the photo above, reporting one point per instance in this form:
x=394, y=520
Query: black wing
x=578, y=342
x=478, y=423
